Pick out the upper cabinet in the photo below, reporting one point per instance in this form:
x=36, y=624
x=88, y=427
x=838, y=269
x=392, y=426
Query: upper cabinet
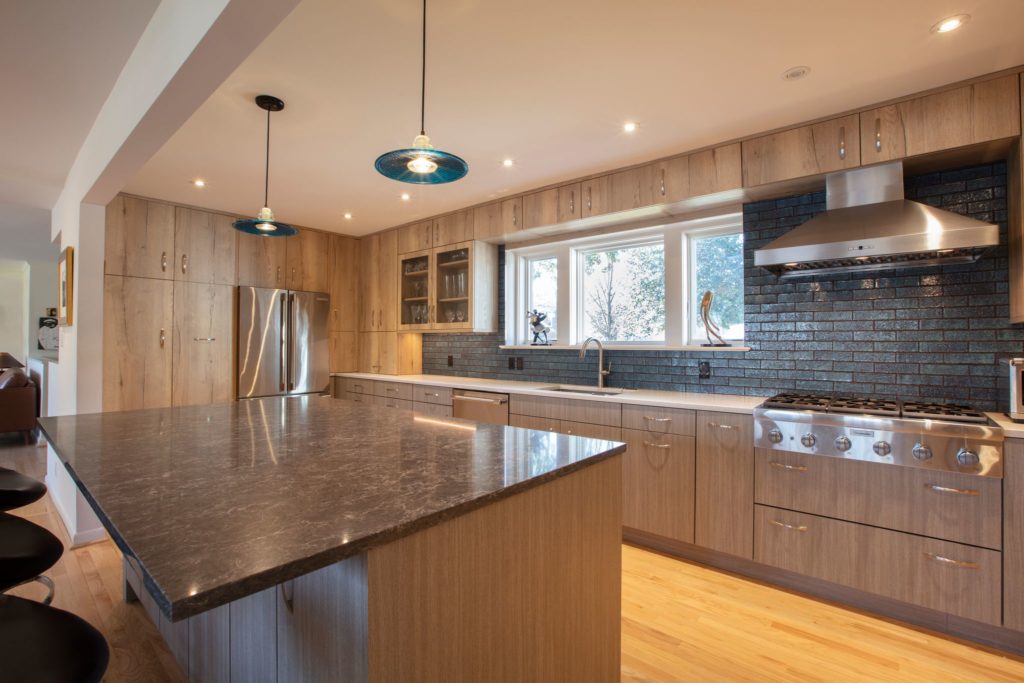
x=343, y=286
x=824, y=147
x=450, y=229
x=262, y=261
x=308, y=254
x=621, y=191
x=449, y=289
x=980, y=112
x=491, y=222
x=139, y=238
x=378, y=266
x=719, y=169
x=205, y=246
x=416, y=237
x=553, y=206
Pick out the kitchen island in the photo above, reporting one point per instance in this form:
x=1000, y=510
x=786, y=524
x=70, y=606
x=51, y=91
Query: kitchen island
x=312, y=539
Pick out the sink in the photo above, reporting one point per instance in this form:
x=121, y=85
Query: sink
x=590, y=391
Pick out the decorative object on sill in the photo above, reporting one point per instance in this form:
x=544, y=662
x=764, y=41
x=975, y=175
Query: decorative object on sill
x=47, y=337
x=264, y=223
x=66, y=287
x=51, y=312
x=539, y=329
x=421, y=164
x=710, y=328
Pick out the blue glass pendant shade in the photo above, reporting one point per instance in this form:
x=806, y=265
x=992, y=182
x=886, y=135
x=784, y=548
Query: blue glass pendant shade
x=248, y=225
x=395, y=165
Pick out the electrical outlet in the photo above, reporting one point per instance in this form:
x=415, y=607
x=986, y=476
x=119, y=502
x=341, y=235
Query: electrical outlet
x=519, y=363
x=451, y=361
x=704, y=369
x=511, y=363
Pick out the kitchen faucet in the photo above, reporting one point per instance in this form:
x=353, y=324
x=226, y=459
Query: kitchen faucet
x=601, y=372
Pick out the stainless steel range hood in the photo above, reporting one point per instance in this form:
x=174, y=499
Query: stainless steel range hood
x=868, y=225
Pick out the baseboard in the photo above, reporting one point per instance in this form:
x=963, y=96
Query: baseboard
x=914, y=616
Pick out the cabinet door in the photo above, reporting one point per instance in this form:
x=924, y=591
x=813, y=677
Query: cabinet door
x=553, y=206
x=139, y=238
x=344, y=351
x=322, y=624
x=137, y=326
x=369, y=351
x=370, y=319
x=415, y=237
x=262, y=261
x=203, y=361
x=308, y=255
x=492, y=222
x=343, y=285
x=452, y=287
x=389, y=281
x=671, y=180
x=974, y=113
x=725, y=483
x=415, y=286
x=658, y=484
x=453, y=228
x=1013, y=534
x=205, y=247
x=622, y=191
x=809, y=150
x=715, y=170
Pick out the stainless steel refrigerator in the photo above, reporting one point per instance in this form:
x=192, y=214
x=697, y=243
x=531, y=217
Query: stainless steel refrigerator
x=283, y=346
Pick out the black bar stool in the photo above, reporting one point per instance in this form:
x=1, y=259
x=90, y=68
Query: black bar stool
x=17, y=490
x=40, y=644
x=26, y=551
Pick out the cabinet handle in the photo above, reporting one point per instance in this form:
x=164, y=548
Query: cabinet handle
x=162, y=338
x=842, y=142
x=163, y=261
x=662, y=182
x=651, y=444
x=878, y=134
x=950, y=562
x=938, y=488
x=589, y=199
x=572, y=202
x=293, y=274
x=792, y=527
x=717, y=425
x=278, y=277
x=204, y=339
x=515, y=219
x=390, y=390
x=184, y=263
x=651, y=418
x=783, y=466
x=289, y=600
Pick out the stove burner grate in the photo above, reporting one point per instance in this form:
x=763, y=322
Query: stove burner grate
x=942, y=411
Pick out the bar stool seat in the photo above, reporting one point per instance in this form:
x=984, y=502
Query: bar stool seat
x=17, y=490
x=40, y=644
x=26, y=551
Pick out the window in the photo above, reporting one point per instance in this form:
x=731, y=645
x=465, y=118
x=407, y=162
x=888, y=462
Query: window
x=642, y=287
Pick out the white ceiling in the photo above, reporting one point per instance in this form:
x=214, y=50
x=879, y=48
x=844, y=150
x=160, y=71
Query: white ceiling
x=548, y=83
x=58, y=61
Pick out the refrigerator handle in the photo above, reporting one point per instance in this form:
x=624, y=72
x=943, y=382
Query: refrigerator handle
x=284, y=341
x=291, y=342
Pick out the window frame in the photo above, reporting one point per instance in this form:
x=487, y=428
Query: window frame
x=692, y=333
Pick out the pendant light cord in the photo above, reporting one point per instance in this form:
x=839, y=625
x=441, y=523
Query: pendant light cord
x=423, y=74
x=266, y=168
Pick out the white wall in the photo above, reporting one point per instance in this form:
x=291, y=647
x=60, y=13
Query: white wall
x=13, y=301
x=42, y=294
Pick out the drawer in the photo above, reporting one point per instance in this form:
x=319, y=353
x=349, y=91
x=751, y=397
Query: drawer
x=649, y=418
x=539, y=423
x=357, y=386
x=949, y=577
x=590, y=431
x=366, y=399
x=399, y=390
x=389, y=402
x=658, y=484
x=557, y=408
x=442, y=395
x=948, y=505
x=432, y=409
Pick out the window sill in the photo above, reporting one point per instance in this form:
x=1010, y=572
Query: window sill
x=627, y=347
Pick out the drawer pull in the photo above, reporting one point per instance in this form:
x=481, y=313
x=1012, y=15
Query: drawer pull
x=434, y=394
x=651, y=444
x=951, y=562
x=651, y=418
x=783, y=466
x=792, y=527
x=717, y=425
x=163, y=261
x=204, y=339
x=390, y=390
x=938, y=488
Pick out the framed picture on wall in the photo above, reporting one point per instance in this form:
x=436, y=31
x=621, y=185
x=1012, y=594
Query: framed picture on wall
x=47, y=338
x=65, y=287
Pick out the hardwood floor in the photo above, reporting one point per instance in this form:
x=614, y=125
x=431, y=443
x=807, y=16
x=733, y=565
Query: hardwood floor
x=680, y=622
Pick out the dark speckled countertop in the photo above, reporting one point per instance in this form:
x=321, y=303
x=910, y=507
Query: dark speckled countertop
x=219, y=502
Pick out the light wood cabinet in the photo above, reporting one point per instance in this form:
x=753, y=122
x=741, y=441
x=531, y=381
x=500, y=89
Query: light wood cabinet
x=824, y=147
x=416, y=237
x=1013, y=534
x=715, y=170
x=621, y=191
x=492, y=222
x=308, y=260
x=1015, y=220
x=725, y=483
x=205, y=247
x=203, y=358
x=607, y=413
x=344, y=291
x=553, y=206
x=138, y=320
x=658, y=484
x=453, y=228
x=378, y=267
x=657, y=419
x=425, y=394
x=262, y=261
x=432, y=409
x=449, y=289
x=390, y=353
x=949, y=577
x=980, y=112
x=670, y=180
x=139, y=239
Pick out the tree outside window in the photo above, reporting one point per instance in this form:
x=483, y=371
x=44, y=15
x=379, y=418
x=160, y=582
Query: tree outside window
x=718, y=266
x=623, y=293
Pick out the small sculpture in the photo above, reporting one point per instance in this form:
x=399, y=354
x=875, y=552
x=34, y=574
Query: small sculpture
x=709, y=327
x=540, y=330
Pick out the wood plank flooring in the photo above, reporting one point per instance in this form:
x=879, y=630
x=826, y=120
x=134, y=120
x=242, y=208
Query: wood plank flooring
x=680, y=622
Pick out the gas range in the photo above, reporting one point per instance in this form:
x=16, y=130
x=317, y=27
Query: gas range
x=910, y=433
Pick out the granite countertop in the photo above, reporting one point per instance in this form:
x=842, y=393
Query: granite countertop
x=221, y=501
x=725, y=403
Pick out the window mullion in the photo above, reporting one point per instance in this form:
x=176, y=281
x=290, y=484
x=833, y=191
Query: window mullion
x=675, y=303
x=566, y=294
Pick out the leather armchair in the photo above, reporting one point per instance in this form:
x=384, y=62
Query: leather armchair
x=18, y=410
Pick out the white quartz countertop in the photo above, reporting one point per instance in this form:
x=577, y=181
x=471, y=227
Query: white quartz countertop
x=725, y=403
x=1011, y=429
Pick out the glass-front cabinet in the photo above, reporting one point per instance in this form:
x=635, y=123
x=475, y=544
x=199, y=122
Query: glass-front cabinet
x=449, y=289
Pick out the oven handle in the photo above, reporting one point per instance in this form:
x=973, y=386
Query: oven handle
x=938, y=488
x=783, y=466
x=492, y=401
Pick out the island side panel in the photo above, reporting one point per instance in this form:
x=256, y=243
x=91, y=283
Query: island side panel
x=528, y=589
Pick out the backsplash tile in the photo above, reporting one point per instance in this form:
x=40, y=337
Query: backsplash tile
x=934, y=333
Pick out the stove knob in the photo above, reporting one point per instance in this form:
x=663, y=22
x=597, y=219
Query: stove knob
x=921, y=452
x=967, y=458
x=775, y=436
x=808, y=440
x=882, y=448
x=843, y=443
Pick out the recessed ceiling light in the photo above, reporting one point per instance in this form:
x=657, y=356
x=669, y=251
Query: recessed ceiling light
x=348, y=216
x=796, y=73
x=199, y=182
x=951, y=23
x=507, y=162
x=629, y=126
x=405, y=197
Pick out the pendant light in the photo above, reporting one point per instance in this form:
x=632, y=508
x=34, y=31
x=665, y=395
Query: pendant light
x=421, y=164
x=264, y=223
